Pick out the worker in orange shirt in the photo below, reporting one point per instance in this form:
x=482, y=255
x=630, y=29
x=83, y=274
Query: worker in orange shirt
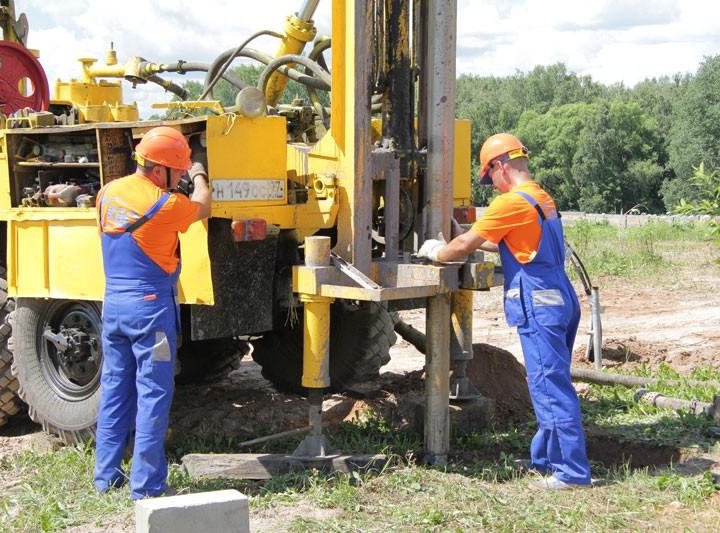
x=523, y=224
x=140, y=217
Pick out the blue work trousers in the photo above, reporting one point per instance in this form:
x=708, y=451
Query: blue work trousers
x=139, y=349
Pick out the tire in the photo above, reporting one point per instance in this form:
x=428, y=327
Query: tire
x=209, y=360
x=62, y=389
x=360, y=341
x=10, y=402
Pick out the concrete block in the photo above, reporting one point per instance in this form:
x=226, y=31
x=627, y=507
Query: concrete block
x=221, y=511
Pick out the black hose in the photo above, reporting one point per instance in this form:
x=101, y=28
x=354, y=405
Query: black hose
x=212, y=77
x=579, y=268
x=181, y=67
x=322, y=81
x=264, y=58
x=174, y=88
x=316, y=54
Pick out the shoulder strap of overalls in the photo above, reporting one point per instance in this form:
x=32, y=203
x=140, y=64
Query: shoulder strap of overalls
x=150, y=213
x=533, y=202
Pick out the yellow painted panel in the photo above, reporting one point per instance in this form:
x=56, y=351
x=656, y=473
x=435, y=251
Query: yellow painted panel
x=29, y=259
x=462, y=180
x=246, y=148
x=62, y=258
x=74, y=260
x=195, y=284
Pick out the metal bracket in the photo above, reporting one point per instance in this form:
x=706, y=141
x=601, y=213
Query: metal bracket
x=353, y=273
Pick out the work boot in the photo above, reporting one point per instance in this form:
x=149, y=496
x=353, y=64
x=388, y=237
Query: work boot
x=553, y=483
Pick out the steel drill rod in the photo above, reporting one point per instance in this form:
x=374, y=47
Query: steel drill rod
x=437, y=384
x=596, y=327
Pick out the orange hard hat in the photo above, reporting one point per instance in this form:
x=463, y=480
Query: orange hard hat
x=164, y=146
x=495, y=146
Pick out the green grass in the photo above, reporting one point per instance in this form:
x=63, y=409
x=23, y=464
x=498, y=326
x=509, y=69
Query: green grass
x=477, y=490
x=54, y=491
x=636, y=252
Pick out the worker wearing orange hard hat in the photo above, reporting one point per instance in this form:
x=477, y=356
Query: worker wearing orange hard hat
x=523, y=225
x=140, y=217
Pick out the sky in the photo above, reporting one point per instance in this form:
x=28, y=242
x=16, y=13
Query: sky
x=614, y=41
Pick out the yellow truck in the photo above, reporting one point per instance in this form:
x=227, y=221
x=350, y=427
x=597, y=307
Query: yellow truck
x=381, y=167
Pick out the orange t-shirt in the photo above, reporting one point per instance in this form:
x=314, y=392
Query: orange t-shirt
x=511, y=218
x=123, y=201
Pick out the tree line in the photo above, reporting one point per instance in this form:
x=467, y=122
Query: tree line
x=651, y=148
x=600, y=148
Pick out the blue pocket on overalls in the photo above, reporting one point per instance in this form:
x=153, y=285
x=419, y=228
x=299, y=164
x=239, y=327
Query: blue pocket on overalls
x=549, y=307
x=514, y=308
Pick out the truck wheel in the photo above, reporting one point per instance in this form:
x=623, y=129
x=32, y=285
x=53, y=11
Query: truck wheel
x=57, y=360
x=209, y=360
x=9, y=400
x=360, y=341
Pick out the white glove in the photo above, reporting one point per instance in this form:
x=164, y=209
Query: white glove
x=197, y=169
x=431, y=248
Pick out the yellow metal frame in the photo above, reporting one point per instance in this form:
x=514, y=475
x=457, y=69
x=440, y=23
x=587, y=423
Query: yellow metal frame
x=55, y=253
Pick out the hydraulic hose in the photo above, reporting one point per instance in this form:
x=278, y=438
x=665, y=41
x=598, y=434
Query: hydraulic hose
x=316, y=54
x=181, y=67
x=264, y=58
x=169, y=86
x=322, y=81
x=222, y=65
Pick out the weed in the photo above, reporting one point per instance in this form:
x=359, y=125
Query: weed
x=636, y=252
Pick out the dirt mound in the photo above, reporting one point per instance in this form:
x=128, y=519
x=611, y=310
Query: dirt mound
x=498, y=375
x=630, y=352
x=244, y=405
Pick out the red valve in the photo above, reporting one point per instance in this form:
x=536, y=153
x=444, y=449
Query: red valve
x=19, y=67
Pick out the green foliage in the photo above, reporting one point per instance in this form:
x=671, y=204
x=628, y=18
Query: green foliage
x=496, y=104
x=616, y=162
x=603, y=148
x=552, y=138
x=675, y=190
x=695, y=130
x=707, y=185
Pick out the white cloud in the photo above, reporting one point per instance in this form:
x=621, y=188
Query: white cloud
x=161, y=31
x=611, y=40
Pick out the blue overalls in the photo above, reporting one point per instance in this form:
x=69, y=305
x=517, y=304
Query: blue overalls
x=541, y=302
x=139, y=340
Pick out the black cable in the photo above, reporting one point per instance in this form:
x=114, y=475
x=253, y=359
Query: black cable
x=579, y=268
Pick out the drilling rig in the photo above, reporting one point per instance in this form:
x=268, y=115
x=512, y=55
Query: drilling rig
x=318, y=206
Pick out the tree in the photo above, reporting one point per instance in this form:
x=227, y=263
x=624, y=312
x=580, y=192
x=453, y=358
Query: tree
x=552, y=139
x=695, y=131
x=616, y=163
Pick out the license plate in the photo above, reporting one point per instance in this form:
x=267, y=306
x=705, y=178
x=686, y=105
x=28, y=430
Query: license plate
x=247, y=190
